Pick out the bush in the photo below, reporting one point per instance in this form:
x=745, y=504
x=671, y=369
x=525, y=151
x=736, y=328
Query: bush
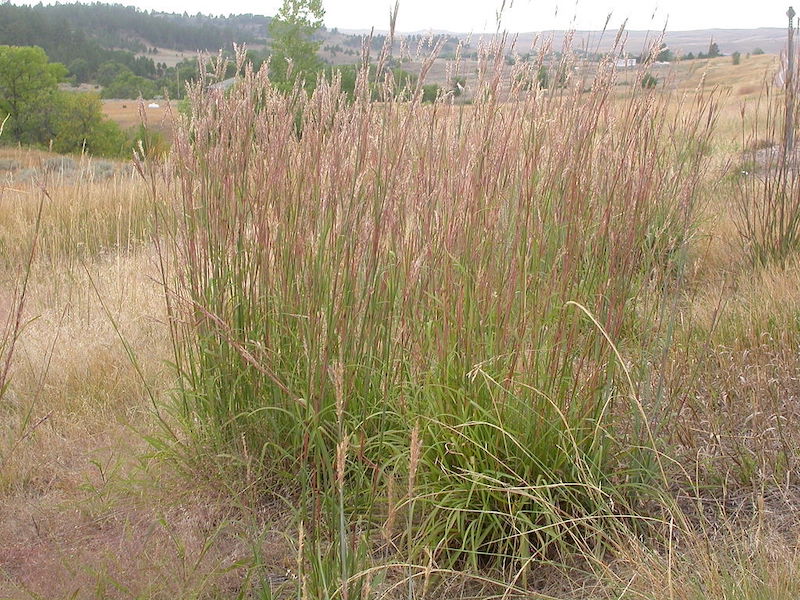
x=109, y=140
x=41, y=114
x=431, y=92
x=80, y=127
x=649, y=81
x=59, y=164
x=459, y=84
x=9, y=164
x=150, y=143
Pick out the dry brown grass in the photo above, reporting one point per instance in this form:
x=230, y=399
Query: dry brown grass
x=92, y=208
x=128, y=114
x=86, y=510
x=750, y=558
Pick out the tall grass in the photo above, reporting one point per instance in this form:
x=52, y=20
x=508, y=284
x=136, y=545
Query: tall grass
x=768, y=199
x=94, y=210
x=12, y=324
x=369, y=293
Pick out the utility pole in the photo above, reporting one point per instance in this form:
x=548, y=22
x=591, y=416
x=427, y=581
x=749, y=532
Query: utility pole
x=790, y=87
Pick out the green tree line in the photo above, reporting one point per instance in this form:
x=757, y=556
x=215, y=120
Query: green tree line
x=294, y=46
x=117, y=26
x=36, y=112
x=74, y=34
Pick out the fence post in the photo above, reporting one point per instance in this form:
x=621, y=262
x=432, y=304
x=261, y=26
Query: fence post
x=789, y=122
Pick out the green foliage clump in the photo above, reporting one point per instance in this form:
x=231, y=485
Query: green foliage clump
x=147, y=142
x=713, y=51
x=294, y=50
x=430, y=92
x=79, y=69
x=80, y=126
x=28, y=87
x=649, y=81
x=403, y=84
x=543, y=77
x=540, y=80
x=109, y=71
x=127, y=85
x=39, y=113
x=665, y=54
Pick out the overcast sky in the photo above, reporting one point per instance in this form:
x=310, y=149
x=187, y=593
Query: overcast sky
x=522, y=15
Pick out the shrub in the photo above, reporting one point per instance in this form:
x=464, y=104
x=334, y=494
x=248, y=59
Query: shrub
x=649, y=81
x=108, y=139
x=430, y=92
x=459, y=84
x=9, y=164
x=148, y=142
x=59, y=164
x=80, y=127
x=103, y=169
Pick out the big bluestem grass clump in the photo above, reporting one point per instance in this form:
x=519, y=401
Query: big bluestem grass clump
x=369, y=292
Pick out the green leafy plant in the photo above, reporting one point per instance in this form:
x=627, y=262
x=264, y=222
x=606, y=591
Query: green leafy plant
x=294, y=49
x=649, y=81
x=28, y=83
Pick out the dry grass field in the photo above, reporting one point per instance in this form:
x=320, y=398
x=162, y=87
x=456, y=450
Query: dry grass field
x=131, y=113
x=119, y=315
x=170, y=57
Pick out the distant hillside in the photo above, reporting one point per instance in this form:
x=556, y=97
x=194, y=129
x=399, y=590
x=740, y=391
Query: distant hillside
x=113, y=26
x=769, y=39
x=131, y=52
x=34, y=26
